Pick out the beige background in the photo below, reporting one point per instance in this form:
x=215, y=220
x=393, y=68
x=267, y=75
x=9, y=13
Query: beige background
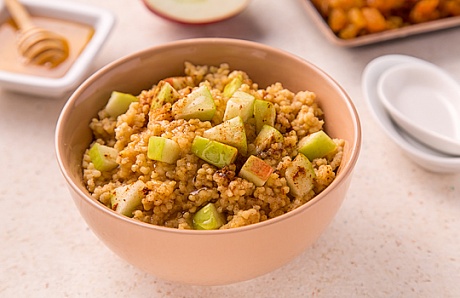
x=396, y=235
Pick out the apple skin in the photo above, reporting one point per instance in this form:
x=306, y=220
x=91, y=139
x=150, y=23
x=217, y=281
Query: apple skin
x=208, y=218
x=264, y=113
x=205, y=21
x=163, y=149
x=256, y=171
x=316, y=145
x=103, y=157
x=213, y=152
x=119, y=102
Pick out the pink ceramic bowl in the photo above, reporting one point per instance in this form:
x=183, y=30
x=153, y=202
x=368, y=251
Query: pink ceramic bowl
x=220, y=256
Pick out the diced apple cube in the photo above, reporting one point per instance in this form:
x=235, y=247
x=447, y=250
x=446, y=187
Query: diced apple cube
x=240, y=104
x=199, y=104
x=256, y=170
x=126, y=198
x=230, y=132
x=267, y=136
x=166, y=93
x=213, y=152
x=104, y=158
x=264, y=113
x=163, y=149
x=208, y=218
x=316, y=145
x=119, y=103
x=232, y=86
x=300, y=176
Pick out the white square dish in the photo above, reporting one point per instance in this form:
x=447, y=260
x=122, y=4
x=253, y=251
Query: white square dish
x=102, y=22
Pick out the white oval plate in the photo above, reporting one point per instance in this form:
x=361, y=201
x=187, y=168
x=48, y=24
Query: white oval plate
x=425, y=157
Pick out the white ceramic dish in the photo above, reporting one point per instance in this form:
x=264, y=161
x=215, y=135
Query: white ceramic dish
x=196, y=12
x=424, y=101
x=100, y=19
x=411, y=30
x=425, y=157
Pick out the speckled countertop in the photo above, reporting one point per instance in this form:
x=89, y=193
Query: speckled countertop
x=396, y=235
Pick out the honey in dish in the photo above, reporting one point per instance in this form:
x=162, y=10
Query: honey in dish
x=78, y=35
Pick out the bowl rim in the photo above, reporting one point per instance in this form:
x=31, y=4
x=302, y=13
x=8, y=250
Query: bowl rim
x=345, y=172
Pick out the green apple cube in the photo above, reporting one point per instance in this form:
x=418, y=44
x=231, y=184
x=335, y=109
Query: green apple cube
x=264, y=113
x=166, y=93
x=300, y=176
x=126, y=198
x=213, y=152
x=163, y=149
x=230, y=132
x=199, y=104
x=208, y=218
x=119, y=103
x=256, y=170
x=104, y=158
x=232, y=86
x=240, y=104
x=267, y=136
x=316, y=145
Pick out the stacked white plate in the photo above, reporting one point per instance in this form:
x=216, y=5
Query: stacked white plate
x=426, y=157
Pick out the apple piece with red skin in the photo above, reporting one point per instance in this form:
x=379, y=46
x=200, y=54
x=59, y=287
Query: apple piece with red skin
x=196, y=12
x=256, y=170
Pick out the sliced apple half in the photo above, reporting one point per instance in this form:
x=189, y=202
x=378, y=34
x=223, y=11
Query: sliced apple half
x=196, y=11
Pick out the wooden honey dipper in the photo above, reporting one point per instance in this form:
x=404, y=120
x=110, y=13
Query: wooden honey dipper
x=39, y=46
